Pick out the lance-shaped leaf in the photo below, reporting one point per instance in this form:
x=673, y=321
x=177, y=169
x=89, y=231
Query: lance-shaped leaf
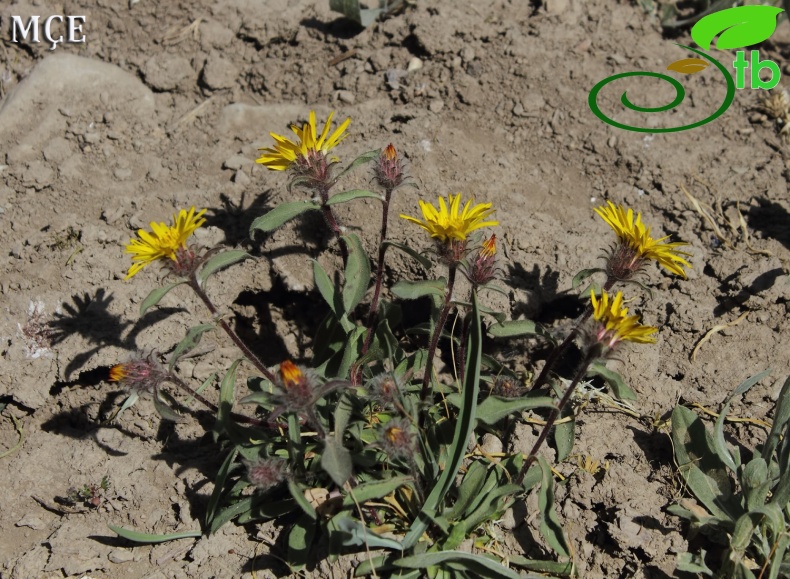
x=139, y=537
x=736, y=27
x=412, y=290
x=514, y=328
x=191, y=340
x=357, y=273
x=352, y=194
x=493, y=409
x=220, y=261
x=281, y=214
x=421, y=259
x=156, y=296
x=336, y=460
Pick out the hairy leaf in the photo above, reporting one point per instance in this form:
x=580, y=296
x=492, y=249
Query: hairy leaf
x=281, y=214
x=156, y=296
x=220, y=261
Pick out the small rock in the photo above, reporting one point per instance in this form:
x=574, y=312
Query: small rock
x=436, y=105
x=345, y=96
x=491, y=444
x=241, y=178
x=612, y=142
x=121, y=556
x=31, y=521
x=508, y=520
x=414, y=64
x=122, y=173
x=557, y=6
x=166, y=71
x=468, y=54
x=92, y=137
x=235, y=162
x=219, y=73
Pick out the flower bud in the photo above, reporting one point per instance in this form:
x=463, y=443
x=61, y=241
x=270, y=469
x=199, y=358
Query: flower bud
x=388, y=169
x=140, y=375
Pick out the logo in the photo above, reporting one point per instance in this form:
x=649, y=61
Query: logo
x=737, y=27
x=70, y=23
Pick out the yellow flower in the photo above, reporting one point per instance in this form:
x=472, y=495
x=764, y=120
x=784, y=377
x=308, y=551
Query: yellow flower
x=634, y=235
x=290, y=373
x=448, y=224
x=286, y=151
x=117, y=373
x=489, y=247
x=616, y=324
x=164, y=240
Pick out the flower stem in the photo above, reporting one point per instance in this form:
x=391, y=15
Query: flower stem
x=173, y=379
x=533, y=454
x=195, y=285
x=437, y=332
x=331, y=221
x=374, y=304
x=557, y=353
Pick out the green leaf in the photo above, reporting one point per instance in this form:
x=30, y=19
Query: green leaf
x=352, y=194
x=550, y=526
x=412, y=290
x=565, y=434
x=421, y=259
x=718, y=429
x=352, y=533
x=619, y=388
x=364, y=157
x=336, y=460
x=357, y=273
x=700, y=466
x=375, y=490
x=297, y=492
x=693, y=563
x=513, y=328
x=128, y=403
x=494, y=408
x=191, y=340
x=139, y=537
x=478, y=565
x=470, y=488
x=464, y=426
x=156, y=296
x=554, y=568
x=781, y=418
x=332, y=296
x=226, y=398
x=736, y=27
x=281, y=214
x=164, y=410
x=220, y=261
x=579, y=278
x=219, y=485
x=300, y=540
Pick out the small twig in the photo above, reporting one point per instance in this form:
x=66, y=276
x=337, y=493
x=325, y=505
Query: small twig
x=755, y=421
x=343, y=56
x=716, y=330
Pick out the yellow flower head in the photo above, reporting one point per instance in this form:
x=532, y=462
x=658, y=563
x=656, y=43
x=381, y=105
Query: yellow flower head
x=489, y=247
x=290, y=374
x=164, y=241
x=117, y=373
x=285, y=151
x=635, y=236
x=615, y=323
x=451, y=223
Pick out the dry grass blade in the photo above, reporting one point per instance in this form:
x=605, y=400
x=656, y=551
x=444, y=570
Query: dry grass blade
x=20, y=434
x=716, y=330
x=190, y=116
x=742, y=223
x=177, y=35
x=755, y=421
x=705, y=215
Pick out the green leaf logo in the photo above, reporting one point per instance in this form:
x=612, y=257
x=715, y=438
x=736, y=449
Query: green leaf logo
x=738, y=27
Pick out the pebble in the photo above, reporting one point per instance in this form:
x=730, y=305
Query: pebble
x=241, y=178
x=120, y=556
x=122, y=173
x=345, y=96
x=57, y=150
x=165, y=71
x=416, y=64
x=491, y=444
x=436, y=105
x=219, y=73
x=235, y=162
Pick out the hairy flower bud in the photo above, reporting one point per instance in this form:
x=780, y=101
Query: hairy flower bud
x=388, y=169
x=266, y=473
x=397, y=440
x=140, y=375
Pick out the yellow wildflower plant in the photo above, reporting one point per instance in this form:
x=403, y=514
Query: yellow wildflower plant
x=615, y=325
x=164, y=241
x=451, y=223
x=636, y=245
x=285, y=152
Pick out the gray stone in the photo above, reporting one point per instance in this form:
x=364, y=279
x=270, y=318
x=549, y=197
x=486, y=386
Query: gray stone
x=165, y=71
x=219, y=73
